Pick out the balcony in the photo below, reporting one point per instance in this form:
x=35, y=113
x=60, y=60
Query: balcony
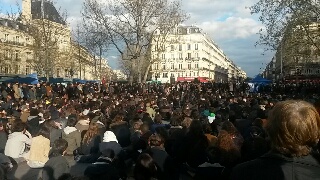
x=14, y=43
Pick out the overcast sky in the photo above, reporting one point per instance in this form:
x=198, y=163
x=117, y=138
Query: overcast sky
x=228, y=22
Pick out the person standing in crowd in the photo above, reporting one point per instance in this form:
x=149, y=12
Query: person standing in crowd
x=294, y=129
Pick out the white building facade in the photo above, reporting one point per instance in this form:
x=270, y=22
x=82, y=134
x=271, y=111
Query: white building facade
x=188, y=53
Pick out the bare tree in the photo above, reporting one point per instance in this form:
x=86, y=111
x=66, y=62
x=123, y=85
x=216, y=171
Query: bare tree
x=130, y=24
x=284, y=18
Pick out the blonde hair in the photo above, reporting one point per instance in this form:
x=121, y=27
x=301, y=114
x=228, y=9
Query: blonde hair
x=293, y=127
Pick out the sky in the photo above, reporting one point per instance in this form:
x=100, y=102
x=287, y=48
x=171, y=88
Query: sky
x=229, y=23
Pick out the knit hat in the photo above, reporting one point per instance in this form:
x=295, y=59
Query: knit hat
x=109, y=136
x=212, y=117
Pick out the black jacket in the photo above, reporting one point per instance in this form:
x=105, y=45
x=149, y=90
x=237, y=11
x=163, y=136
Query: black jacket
x=101, y=170
x=275, y=166
x=55, y=167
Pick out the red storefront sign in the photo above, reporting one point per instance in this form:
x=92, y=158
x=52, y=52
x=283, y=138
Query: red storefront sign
x=191, y=79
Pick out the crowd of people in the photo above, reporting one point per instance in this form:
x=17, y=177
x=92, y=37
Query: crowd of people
x=160, y=131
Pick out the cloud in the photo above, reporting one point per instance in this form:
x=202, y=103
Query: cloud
x=229, y=23
x=231, y=28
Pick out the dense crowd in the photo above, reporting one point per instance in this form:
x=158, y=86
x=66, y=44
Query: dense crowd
x=161, y=131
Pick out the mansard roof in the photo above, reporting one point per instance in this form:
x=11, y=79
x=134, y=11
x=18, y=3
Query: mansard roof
x=46, y=9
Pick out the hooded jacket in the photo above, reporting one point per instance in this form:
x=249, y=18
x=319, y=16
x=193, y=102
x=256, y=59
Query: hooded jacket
x=73, y=137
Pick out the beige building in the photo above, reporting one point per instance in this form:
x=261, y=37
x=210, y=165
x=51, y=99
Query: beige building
x=297, y=57
x=39, y=41
x=189, y=53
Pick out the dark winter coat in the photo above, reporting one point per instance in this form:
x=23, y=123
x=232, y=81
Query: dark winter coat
x=275, y=166
x=92, y=147
x=101, y=170
x=122, y=132
x=55, y=167
x=111, y=145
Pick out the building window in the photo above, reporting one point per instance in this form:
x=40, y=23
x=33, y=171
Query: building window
x=27, y=40
x=27, y=70
x=190, y=74
x=156, y=66
x=180, y=47
x=172, y=47
x=165, y=75
x=7, y=54
x=164, y=67
x=172, y=66
x=6, y=37
x=178, y=74
x=194, y=73
x=58, y=72
x=196, y=65
x=189, y=66
x=189, y=46
x=17, y=39
x=28, y=55
x=16, y=69
x=180, y=66
x=163, y=56
x=189, y=55
x=180, y=56
x=6, y=69
x=196, y=46
x=17, y=55
x=197, y=55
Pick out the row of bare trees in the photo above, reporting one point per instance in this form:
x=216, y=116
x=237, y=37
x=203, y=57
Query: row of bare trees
x=129, y=26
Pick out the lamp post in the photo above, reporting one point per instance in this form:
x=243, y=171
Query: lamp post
x=209, y=71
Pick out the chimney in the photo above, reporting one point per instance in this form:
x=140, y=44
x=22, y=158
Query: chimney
x=26, y=11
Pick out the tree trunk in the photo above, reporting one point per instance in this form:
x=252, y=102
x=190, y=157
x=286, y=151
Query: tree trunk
x=146, y=73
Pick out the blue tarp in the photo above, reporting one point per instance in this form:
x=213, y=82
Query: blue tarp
x=260, y=80
x=23, y=79
x=76, y=80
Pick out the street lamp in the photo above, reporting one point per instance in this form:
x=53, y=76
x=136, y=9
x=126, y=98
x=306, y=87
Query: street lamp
x=209, y=71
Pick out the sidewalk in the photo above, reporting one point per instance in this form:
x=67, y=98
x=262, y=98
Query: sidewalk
x=24, y=172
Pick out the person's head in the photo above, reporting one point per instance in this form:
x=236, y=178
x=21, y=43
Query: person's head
x=156, y=140
x=72, y=121
x=145, y=168
x=91, y=132
x=158, y=119
x=186, y=122
x=293, y=127
x=18, y=126
x=118, y=118
x=144, y=128
x=45, y=132
x=34, y=112
x=59, y=147
x=229, y=152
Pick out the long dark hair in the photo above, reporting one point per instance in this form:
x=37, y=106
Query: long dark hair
x=58, y=147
